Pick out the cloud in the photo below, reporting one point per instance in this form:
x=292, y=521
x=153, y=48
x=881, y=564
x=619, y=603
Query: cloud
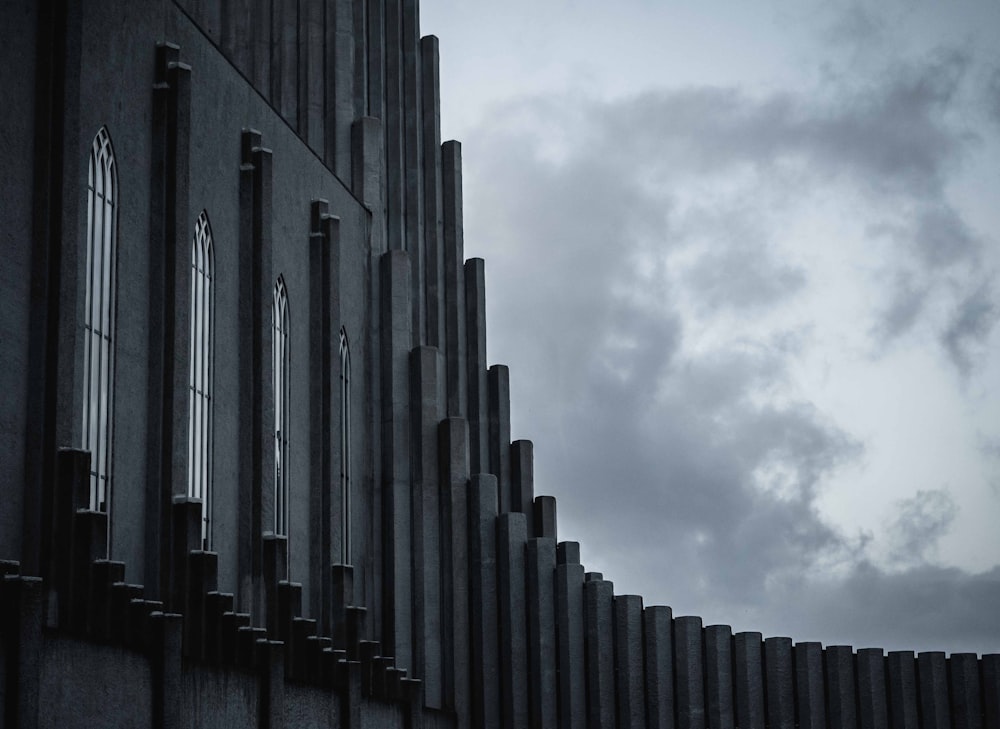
x=654, y=308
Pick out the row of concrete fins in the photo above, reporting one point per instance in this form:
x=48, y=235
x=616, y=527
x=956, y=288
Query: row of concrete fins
x=89, y=597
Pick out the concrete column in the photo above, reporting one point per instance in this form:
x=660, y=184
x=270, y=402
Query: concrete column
x=427, y=410
x=872, y=708
x=413, y=157
x=990, y=667
x=809, y=685
x=598, y=595
x=499, y=403
x=932, y=673
x=966, y=701
x=395, y=380
x=719, y=677
x=512, y=537
x=475, y=322
x=367, y=182
x=433, y=215
x=312, y=78
x=23, y=649
x=271, y=663
x=689, y=673
x=540, y=566
x=901, y=675
x=340, y=112
x=166, y=639
x=484, y=635
x=376, y=57
x=324, y=401
x=260, y=30
x=393, y=125
x=454, y=284
x=778, y=678
x=285, y=59
x=840, y=695
x=658, y=650
x=570, y=633
x=522, y=483
x=544, y=512
x=629, y=676
x=453, y=441
x=749, y=681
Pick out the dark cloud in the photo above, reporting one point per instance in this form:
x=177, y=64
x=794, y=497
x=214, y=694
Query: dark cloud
x=608, y=228
x=969, y=326
x=921, y=520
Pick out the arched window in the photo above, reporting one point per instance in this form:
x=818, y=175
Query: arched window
x=200, y=408
x=99, y=316
x=345, y=448
x=281, y=397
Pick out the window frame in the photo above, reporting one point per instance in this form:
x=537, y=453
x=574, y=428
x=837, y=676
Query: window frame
x=201, y=375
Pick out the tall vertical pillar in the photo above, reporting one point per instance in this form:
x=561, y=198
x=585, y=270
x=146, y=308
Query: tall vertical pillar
x=522, y=483
x=255, y=376
x=658, y=649
x=872, y=708
x=427, y=395
x=540, y=565
x=483, y=633
x=629, y=676
x=478, y=413
x=339, y=112
x=430, y=108
x=454, y=284
x=454, y=460
x=779, y=679
x=570, y=628
x=393, y=126
x=324, y=401
x=901, y=674
x=841, y=706
x=598, y=595
x=312, y=78
x=966, y=698
x=719, y=677
x=512, y=537
x=809, y=685
x=749, y=680
x=689, y=673
x=413, y=182
x=395, y=379
x=499, y=438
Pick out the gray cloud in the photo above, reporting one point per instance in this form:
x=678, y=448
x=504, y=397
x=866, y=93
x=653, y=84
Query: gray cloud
x=969, y=326
x=606, y=230
x=920, y=522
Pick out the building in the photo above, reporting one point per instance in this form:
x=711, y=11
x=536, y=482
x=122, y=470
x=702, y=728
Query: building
x=257, y=467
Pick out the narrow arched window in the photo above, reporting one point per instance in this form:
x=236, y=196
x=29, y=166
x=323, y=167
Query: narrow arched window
x=281, y=397
x=200, y=407
x=345, y=448
x=99, y=316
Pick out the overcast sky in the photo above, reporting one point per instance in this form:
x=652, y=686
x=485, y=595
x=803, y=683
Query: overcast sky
x=742, y=260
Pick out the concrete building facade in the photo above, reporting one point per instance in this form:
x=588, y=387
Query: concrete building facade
x=257, y=468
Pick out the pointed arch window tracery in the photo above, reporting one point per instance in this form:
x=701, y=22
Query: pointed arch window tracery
x=280, y=368
x=99, y=316
x=201, y=375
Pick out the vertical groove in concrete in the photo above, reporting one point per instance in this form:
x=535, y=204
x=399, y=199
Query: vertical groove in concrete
x=430, y=110
x=658, y=657
x=454, y=458
x=629, y=675
x=395, y=327
x=748, y=680
x=498, y=384
x=570, y=636
x=719, y=677
x=475, y=321
x=512, y=536
x=809, y=695
x=540, y=567
x=427, y=396
x=598, y=595
x=454, y=284
x=483, y=632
